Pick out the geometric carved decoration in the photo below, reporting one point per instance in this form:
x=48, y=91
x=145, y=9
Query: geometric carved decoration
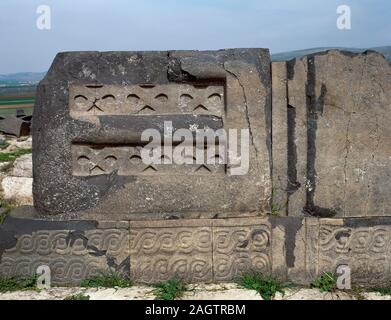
x=87, y=100
x=152, y=100
x=126, y=160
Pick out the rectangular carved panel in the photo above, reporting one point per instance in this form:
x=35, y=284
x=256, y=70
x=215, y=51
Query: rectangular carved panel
x=364, y=248
x=240, y=246
x=161, y=250
x=72, y=255
x=126, y=160
x=152, y=99
x=362, y=244
x=199, y=250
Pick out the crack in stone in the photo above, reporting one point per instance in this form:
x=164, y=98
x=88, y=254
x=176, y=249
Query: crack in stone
x=372, y=161
x=246, y=107
x=348, y=142
x=347, y=147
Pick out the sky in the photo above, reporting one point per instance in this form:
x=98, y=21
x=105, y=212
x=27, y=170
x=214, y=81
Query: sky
x=280, y=25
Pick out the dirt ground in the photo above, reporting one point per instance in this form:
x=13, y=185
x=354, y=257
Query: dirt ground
x=228, y=291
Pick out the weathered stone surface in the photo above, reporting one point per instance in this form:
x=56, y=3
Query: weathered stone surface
x=363, y=244
x=92, y=107
x=280, y=137
x=14, y=125
x=20, y=143
x=17, y=189
x=162, y=249
x=23, y=167
x=338, y=150
x=73, y=251
x=241, y=245
x=205, y=250
x=199, y=250
x=5, y=165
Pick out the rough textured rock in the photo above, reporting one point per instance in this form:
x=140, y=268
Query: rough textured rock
x=94, y=105
x=338, y=149
x=225, y=291
x=14, y=125
x=23, y=167
x=189, y=251
x=5, y=165
x=73, y=250
x=279, y=136
x=16, y=143
x=17, y=189
x=204, y=250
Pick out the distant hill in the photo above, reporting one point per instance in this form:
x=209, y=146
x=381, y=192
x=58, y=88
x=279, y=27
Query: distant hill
x=283, y=56
x=21, y=78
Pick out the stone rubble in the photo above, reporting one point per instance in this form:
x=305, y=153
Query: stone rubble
x=225, y=291
x=17, y=177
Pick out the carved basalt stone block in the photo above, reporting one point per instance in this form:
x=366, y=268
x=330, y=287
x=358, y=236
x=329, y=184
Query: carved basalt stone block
x=362, y=244
x=199, y=250
x=333, y=117
x=160, y=250
x=93, y=107
x=241, y=246
x=73, y=251
x=202, y=250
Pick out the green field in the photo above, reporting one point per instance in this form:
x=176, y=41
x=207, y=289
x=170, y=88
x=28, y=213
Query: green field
x=12, y=111
x=16, y=101
x=10, y=103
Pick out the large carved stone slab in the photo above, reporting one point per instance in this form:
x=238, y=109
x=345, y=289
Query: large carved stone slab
x=240, y=246
x=92, y=108
x=205, y=250
x=338, y=144
x=199, y=250
x=160, y=250
x=73, y=251
x=363, y=244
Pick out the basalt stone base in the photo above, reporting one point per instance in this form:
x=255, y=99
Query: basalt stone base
x=74, y=250
x=206, y=250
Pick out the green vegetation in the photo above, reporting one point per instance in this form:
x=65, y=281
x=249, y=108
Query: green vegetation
x=16, y=101
x=386, y=291
x=171, y=289
x=327, y=282
x=18, y=283
x=3, y=144
x=357, y=293
x=3, y=214
x=6, y=206
x=276, y=209
x=11, y=156
x=267, y=287
x=79, y=296
x=107, y=279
